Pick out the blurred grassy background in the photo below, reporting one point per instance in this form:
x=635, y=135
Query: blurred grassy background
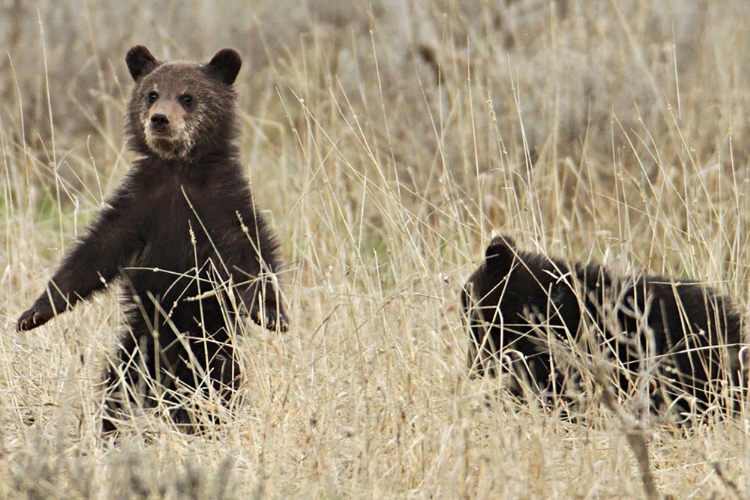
x=386, y=140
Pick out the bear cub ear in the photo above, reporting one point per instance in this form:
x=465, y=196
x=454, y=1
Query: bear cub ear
x=225, y=65
x=140, y=62
x=500, y=246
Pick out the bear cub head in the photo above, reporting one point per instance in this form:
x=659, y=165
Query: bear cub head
x=179, y=108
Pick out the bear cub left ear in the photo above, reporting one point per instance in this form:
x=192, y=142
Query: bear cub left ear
x=225, y=65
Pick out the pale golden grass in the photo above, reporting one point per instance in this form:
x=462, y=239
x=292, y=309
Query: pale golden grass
x=616, y=133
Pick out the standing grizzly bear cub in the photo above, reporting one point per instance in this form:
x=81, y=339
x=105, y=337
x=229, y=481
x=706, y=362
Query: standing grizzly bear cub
x=526, y=312
x=182, y=235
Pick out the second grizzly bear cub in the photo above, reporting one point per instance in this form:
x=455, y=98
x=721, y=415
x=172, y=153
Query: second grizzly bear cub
x=526, y=312
x=184, y=239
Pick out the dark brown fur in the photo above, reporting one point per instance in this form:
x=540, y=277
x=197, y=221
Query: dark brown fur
x=182, y=236
x=528, y=310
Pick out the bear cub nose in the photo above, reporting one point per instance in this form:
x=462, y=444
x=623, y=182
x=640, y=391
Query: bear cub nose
x=160, y=120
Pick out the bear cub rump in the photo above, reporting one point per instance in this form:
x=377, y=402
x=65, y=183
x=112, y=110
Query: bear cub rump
x=184, y=240
x=532, y=316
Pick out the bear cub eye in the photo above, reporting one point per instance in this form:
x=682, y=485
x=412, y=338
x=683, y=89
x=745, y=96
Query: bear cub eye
x=186, y=100
x=153, y=96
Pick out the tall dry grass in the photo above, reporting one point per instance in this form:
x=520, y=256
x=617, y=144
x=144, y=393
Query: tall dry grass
x=386, y=142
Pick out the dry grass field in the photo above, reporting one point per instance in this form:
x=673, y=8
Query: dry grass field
x=386, y=141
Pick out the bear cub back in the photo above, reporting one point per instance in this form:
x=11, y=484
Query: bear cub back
x=543, y=320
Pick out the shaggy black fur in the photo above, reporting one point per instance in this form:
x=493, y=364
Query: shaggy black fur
x=182, y=236
x=526, y=311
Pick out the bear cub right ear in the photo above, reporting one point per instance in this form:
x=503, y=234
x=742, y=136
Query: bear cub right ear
x=140, y=62
x=500, y=246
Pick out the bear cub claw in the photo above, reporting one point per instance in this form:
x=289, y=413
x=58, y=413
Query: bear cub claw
x=270, y=318
x=34, y=317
